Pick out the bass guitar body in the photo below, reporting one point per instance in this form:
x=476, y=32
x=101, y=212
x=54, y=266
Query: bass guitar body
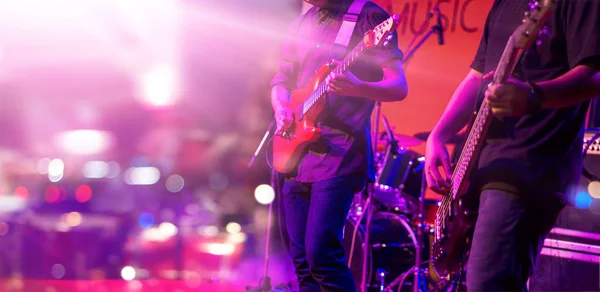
x=448, y=252
x=289, y=147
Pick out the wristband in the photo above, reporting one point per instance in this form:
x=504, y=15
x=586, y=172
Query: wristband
x=536, y=98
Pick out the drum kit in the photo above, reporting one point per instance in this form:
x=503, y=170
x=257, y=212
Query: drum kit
x=394, y=212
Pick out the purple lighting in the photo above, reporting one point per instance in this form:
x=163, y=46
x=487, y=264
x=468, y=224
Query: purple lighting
x=146, y=220
x=583, y=200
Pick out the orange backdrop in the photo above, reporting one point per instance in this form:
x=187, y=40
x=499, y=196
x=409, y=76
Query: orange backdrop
x=434, y=71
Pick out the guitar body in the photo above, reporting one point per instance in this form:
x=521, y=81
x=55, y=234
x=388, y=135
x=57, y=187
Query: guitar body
x=288, y=149
x=309, y=101
x=448, y=253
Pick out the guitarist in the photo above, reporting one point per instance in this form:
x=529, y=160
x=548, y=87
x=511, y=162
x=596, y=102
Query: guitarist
x=318, y=194
x=531, y=160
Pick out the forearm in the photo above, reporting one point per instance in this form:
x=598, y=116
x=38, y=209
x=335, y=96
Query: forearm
x=459, y=109
x=280, y=96
x=386, y=90
x=580, y=84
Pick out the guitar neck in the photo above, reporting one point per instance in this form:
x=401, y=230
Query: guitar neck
x=508, y=62
x=321, y=89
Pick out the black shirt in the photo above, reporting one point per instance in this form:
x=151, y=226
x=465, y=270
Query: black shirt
x=345, y=145
x=539, y=152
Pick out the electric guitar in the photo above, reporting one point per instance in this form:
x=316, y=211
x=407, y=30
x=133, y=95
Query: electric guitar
x=457, y=213
x=310, y=100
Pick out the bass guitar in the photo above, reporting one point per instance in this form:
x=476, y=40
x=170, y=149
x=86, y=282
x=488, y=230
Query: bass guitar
x=457, y=213
x=310, y=100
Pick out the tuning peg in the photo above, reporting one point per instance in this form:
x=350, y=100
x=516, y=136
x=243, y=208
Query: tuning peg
x=389, y=37
x=386, y=43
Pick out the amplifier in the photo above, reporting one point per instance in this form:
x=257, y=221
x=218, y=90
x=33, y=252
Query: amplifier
x=594, y=149
x=570, y=258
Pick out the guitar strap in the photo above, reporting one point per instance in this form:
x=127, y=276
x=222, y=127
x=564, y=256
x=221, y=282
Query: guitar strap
x=340, y=46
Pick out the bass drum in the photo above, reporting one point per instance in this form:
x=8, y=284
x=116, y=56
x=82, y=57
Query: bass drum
x=391, y=252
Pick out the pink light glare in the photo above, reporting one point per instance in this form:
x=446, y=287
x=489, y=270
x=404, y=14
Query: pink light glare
x=84, y=142
x=159, y=85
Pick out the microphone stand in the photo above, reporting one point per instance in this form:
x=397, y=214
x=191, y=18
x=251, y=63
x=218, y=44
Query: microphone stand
x=365, y=281
x=262, y=143
x=412, y=51
x=421, y=220
x=264, y=284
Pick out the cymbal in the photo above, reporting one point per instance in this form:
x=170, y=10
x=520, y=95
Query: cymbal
x=403, y=140
x=456, y=139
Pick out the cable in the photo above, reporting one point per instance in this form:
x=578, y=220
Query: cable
x=354, y=233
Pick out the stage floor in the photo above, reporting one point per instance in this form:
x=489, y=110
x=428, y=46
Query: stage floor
x=116, y=286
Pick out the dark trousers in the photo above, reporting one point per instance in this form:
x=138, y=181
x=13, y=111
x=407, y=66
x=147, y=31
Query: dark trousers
x=315, y=215
x=508, y=237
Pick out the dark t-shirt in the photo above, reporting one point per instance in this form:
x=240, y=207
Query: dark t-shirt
x=345, y=145
x=538, y=152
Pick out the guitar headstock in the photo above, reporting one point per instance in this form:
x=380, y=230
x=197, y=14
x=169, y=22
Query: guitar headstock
x=533, y=22
x=381, y=34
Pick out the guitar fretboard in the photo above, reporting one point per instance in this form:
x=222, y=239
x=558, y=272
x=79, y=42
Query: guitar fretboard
x=321, y=89
x=476, y=137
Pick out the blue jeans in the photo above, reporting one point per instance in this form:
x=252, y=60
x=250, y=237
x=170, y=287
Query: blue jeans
x=315, y=215
x=508, y=237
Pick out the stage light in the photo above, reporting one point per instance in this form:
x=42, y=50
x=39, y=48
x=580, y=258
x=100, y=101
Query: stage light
x=95, y=169
x=56, y=167
x=264, y=194
x=55, y=178
x=175, y=183
x=233, y=227
x=72, y=219
x=10, y=204
x=128, y=273
x=142, y=175
x=83, y=193
x=146, y=220
x=159, y=86
x=219, y=248
x=84, y=142
x=583, y=200
x=167, y=229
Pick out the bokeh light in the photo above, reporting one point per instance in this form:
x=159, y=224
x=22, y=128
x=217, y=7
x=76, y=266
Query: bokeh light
x=146, y=220
x=594, y=189
x=58, y=271
x=583, y=200
x=52, y=194
x=22, y=192
x=95, y=169
x=4, y=228
x=175, y=183
x=83, y=193
x=128, y=273
x=233, y=227
x=264, y=194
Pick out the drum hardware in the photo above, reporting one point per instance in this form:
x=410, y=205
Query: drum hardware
x=390, y=253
